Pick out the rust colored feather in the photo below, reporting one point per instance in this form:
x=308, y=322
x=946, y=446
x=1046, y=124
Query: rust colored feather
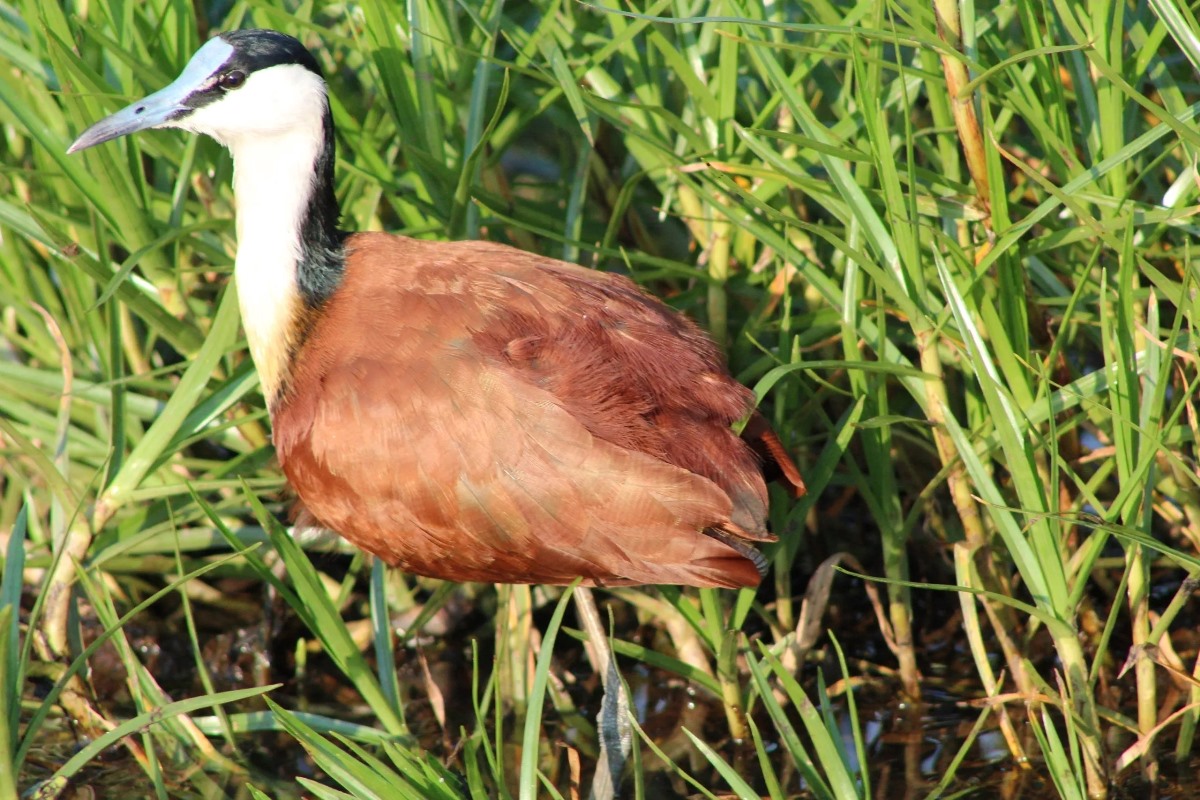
x=473, y=412
x=777, y=464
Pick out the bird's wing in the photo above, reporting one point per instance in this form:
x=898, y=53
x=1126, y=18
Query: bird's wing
x=633, y=371
x=404, y=434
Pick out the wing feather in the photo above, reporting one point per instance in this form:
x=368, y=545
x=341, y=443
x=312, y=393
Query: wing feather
x=473, y=412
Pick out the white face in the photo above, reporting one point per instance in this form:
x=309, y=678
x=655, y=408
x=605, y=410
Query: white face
x=279, y=100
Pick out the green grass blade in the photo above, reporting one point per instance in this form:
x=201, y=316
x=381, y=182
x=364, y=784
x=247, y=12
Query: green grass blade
x=528, y=780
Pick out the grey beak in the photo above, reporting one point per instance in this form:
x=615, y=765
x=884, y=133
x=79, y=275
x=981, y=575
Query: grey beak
x=167, y=105
x=154, y=111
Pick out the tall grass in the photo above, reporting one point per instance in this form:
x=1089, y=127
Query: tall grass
x=949, y=246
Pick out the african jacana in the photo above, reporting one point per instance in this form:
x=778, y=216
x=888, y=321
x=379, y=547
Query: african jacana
x=465, y=410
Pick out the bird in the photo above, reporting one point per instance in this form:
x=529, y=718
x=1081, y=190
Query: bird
x=466, y=410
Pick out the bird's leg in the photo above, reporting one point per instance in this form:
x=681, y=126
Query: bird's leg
x=616, y=734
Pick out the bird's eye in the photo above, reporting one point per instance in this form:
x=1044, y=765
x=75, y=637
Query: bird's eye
x=232, y=80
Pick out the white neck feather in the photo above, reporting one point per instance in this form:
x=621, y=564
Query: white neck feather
x=272, y=183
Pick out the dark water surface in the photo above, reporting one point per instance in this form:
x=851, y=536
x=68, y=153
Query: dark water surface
x=249, y=642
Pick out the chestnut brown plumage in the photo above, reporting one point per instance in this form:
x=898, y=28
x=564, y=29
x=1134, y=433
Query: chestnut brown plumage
x=474, y=412
x=466, y=410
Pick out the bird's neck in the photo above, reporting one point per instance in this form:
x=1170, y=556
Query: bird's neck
x=290, y=257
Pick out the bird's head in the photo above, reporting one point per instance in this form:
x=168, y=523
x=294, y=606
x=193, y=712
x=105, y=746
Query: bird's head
x=240, y=85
